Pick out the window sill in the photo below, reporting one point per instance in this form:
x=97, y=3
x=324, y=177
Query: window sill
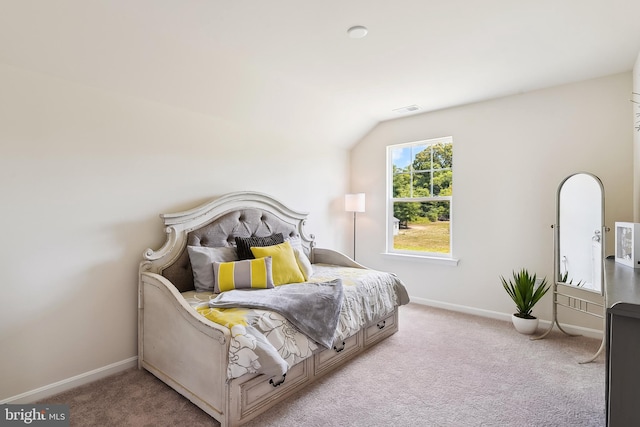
x=453, y=262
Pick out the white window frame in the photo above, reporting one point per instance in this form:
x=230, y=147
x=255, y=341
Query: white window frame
x=390, y=250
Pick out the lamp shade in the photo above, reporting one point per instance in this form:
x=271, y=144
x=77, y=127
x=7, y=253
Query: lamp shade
x=354, y=202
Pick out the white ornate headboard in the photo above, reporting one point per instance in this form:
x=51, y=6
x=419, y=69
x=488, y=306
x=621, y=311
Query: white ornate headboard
x=216, y=224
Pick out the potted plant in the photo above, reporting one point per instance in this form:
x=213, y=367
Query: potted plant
x=523, y=291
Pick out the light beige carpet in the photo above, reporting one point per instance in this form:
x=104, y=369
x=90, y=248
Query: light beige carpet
x=441, y=369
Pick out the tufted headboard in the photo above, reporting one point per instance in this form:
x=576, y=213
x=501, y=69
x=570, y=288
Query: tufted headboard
x=217, y=224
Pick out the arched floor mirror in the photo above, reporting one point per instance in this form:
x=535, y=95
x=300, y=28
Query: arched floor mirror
x=579, y=249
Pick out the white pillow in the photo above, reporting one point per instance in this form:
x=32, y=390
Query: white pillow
x=295, y=242
x=202, y=259
x=303, y=263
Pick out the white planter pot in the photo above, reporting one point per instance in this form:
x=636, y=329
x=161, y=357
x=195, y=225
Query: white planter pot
x=524, y=326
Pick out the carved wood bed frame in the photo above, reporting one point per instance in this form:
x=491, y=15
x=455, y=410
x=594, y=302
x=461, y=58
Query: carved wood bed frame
x=189, y=352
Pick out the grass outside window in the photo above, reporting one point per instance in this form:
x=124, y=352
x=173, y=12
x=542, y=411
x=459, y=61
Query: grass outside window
x=423, y=236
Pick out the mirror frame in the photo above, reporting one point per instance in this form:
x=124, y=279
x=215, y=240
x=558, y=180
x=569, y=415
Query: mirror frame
x=573, y=302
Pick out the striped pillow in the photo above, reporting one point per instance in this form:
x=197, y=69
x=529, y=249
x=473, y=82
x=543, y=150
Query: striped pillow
x=246, y=274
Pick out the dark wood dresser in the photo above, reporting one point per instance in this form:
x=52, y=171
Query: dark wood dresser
x=622, y=289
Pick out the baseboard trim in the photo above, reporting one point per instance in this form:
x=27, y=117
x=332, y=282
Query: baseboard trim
x=587, y=332
x=96, y=374
x=73, y=382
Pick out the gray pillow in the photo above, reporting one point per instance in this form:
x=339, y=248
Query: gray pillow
x=202, y=259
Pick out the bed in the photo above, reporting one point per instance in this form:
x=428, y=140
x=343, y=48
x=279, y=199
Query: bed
x=237, y=352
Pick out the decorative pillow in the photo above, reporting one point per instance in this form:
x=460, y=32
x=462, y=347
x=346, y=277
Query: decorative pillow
x=201, y=258
x=285, y=266
x=244, y=244
x=303, y=263
x=295, y=242
x=245, y=274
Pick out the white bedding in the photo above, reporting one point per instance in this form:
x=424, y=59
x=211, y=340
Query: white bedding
x=265, y=342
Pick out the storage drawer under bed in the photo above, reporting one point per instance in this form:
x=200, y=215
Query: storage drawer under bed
x=327, y=359
x=261, y=390
x=381, y=329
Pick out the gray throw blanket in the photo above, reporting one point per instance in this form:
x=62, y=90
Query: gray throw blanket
x=313, y=308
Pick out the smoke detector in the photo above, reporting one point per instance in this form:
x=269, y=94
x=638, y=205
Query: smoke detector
x=357, y=32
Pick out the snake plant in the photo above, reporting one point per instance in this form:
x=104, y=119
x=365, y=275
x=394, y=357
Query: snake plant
x=524, y=292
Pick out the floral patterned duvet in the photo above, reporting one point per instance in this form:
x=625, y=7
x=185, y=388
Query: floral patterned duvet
x=265, y=342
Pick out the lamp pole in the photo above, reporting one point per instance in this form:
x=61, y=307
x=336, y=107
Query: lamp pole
x=354, y=235
x=354, y=203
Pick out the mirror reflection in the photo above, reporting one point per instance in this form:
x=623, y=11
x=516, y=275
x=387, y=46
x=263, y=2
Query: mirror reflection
x=580, y=224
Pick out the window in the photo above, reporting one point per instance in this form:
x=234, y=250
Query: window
x=420, y=195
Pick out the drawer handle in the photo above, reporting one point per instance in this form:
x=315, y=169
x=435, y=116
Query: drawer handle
x=338, y=350
x=279, y=382
x=382, y=324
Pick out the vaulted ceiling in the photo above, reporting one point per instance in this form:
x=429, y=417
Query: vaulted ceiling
x=289, y=67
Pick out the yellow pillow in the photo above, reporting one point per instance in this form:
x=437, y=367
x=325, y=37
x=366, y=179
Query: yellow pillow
x=246, y=274
x=284, y=265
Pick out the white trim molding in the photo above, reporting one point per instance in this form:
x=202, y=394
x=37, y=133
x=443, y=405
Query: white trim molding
x=73, y=382
x=452, y=262
x=587, y=332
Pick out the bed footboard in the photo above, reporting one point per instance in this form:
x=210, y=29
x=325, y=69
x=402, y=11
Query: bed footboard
x=181, y=347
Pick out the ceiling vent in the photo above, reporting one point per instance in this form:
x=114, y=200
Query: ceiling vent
x=408, y=109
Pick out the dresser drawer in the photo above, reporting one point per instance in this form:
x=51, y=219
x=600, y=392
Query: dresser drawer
x=381, y=329
x=262, y=390
x=330, y=357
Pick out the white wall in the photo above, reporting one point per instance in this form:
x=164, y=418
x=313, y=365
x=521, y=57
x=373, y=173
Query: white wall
x=83, y=176
x=510, y=154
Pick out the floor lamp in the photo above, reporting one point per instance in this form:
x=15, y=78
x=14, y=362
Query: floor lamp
x=354, y=203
